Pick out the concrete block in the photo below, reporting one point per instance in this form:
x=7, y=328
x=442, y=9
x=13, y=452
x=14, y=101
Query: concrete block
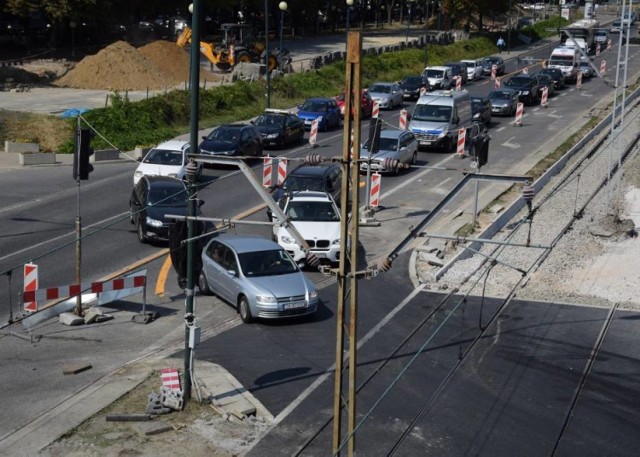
x=36, y=158
x=70, y=319
x=103, y=318
x=105, y=154
x=92, y=314
x=152, y=428
x=75, y=368
x=433, y=260
x=15, y=146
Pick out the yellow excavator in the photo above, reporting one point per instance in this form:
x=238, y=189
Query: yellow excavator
x=239, y=45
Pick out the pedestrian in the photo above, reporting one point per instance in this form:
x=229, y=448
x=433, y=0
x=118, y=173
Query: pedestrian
x=500, y=44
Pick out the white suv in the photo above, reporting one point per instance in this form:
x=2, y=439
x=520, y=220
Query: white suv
x=317, y=218
x=439, y=77
x=474, y=69
x=166, y=159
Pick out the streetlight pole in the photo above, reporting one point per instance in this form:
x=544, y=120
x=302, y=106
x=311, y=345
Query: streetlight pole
x=509, y=29
x=266, y=52
x=72, y=24
x=426, y=33
x=349, y=5
x=408, y=20
x=283, y=8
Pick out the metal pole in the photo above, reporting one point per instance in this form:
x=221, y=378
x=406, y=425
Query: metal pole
x=508, y=30
x=191, y=208
x=408, y=23
x=426, y=34
x=281, y=33
x=475, y=203
x=78, y=228
x=266, y=52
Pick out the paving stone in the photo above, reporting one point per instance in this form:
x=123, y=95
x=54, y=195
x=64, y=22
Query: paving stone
x=70, y=319
x=75, y=368
x=152, y=428
x=91, y=315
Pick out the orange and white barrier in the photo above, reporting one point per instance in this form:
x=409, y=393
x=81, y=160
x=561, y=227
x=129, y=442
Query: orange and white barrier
x=494, y=71
x=267, y=171
x=603, y=67
x=597, y=49
x=462, y=136
x=545, y=95
x=170, y=378
x=403, y=119
x=73, y=290
x=497, y=83
x=423, y=90
x=525, y=71
x=579, y=80
x=374, y=195
x=609, y=44
x=30, y=271
x=282, y=170
x=375, y=112
x=458, y=82
x=519, y=113
x=313, y=134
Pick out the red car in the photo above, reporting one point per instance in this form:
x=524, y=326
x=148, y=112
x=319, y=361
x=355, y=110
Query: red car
x=366, y=107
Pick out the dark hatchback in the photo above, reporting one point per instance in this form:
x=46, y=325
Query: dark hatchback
x=528, y=87
x=489, y=62
x=458, y=69
x=481, y=110
x=232, y=140
x=151, y=200
x=412, y=85
x=546, y=81
x=556, y=74
x=279, y=128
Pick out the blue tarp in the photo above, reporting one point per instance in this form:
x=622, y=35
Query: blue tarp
x=73, y=112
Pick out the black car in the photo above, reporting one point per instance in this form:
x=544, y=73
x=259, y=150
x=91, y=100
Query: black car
x=412, y=85
x=279, y=128
x=489, y=62
x=481, y=110
x=528, y=87
x=546, y=81
x=556, y=74
x=458, y=69
x=232, y=140
x=151, y=200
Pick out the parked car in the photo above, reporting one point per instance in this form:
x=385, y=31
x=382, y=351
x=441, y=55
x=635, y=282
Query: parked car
x=504, y=102
x=481, y=109
x=366, y=104
x=326, y=109
x=458, y=69
x=325, y=177
x=438, y=77
x=166, y=159
x=232, y=140
x=400, y=145
x=317, y=218
x=412, y=85
x=528, y=87
x=279, y=128
x=601, y=36
x=616, y=27
x=586, y=68
x=556, y=74
x=388, y=95
x=474, y=69
x=257, y=277
x=152, y=198
x=546, y=81
x=489, y=62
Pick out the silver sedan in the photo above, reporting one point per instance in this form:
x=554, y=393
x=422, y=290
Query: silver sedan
x=388, y=95
x=395, y=145
x=503, y=102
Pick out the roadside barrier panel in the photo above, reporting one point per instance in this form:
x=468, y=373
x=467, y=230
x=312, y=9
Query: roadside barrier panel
x=497, y=83
x=579, y=81
x=462, y=135
x=376, y=181
x=30, y=285
x=313, y=135
x=282, y=170
x=403, y=119
x=603, y=67
x=519, y=112
x=267, y=172
x=73, y=290
x=545, y=95
x=376, y=110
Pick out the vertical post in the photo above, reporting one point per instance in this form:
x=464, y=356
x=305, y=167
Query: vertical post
x=426, y=33
x=266, y=53
x=475, y=203
x=509, y=29
x=408, y=21
x=78, y=225
x=194, y=78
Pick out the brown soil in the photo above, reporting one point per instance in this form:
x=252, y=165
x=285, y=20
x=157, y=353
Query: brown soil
x=171, y=60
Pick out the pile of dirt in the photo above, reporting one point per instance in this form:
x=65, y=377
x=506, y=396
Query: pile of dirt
x=119, y=67
x=171, y=60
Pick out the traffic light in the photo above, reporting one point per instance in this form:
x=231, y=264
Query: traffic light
x=81, y=153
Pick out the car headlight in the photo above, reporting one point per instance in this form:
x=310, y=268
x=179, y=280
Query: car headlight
x=138, y=174
x=288, y=239
x=313, y=295
x=525, y=92
x=442, y=134
x=154, y=222
x=266, y=299
x=336, y=242
x=272, y=135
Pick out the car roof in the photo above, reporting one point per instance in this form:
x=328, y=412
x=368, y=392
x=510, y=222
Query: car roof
x=310, y=195
x=313, y=170
x=438, y=67
x=248, y=243
x=173, y=145
x=234, y=126
x=392, y=133
x=320, y=99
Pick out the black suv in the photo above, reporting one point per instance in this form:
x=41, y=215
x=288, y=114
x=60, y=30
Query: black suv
x=481, y=110
x=528, y=87
x=232, y=140
x=412, y=85
x=489, y=62
x=279, y=128
x=556, y=74
x=458, y=69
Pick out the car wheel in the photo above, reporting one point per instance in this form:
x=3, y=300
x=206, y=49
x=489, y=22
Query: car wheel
x=244, y=310
x=447, y=145
x=141, y=236
x=203, y=285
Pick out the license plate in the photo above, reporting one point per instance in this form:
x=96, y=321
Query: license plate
x=320, y=254
x=295, y=305
x=425, y=143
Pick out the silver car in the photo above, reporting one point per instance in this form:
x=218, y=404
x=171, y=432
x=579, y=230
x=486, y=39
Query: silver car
x=388, y=95
x=504, y=102
x=256, y=276
x=400, y=145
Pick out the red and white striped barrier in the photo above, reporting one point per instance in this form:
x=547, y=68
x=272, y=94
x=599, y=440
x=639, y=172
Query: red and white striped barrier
x=375, y=112
x=403, y=119
x=267, y=172
x=603, y=67
x=462, y=136
x=597, y=49
x=579, y=80
x=423, y=90
x=525, y=71
x=313, y=134
x=170, y=378
x=497, y=83
x=73, y=290
x=519, y=112
x=374, y=195
x=30, y=271
x=494, y=71
x=282, y=170
x=545, y=95
x=458, y=82
x=351, y=145
x=609, y=44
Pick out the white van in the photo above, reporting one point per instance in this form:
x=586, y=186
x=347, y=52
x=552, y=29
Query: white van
x=439, y=77
x=437, y=117
x=474, y=68
x=567, y=60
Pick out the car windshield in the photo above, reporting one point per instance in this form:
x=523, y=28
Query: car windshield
x=517, y=81
x=565, y=61
x=601, y=33
x=294, y=183
x=270, y=121
x=434, y=73
x=315, y=107
x=432, y=113
x=311, y=211
x=266, y=263
x=167, y=196
x=412, y=81
x=551, y=72
x=380, y=88
x=492, y=60
x=476, y=104
x=225, y=135
x=163, y=157
x=500, y=95
x=388, y=144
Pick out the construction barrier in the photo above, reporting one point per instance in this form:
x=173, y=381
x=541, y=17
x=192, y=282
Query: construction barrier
x=403, y=119
x=497, y=83
x=525, y=71
x=579, y=80
x=374, y=195
x=609, y=44
x=375, y=112
x=597, y=49
x=73, y=290
x=494, y=71
x=267, y=172
x=462, y=136
x=423, y=90
x=603, y=67
x=30, y=271
x=313, y=134
x=519, y=112
x=282, y=170
x=170, y=378
x=458, y=82
x=545, y=95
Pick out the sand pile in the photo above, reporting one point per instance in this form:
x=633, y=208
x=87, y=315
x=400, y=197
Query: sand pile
x=170, y=59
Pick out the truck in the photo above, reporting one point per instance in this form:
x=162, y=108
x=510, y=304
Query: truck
x=567, y=60
x=239, y=45
x=582, y=32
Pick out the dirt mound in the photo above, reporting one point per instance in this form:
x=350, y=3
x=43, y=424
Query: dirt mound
x=119, y=67
x=171, y=60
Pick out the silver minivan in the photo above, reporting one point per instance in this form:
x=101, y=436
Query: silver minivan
x=437, y=117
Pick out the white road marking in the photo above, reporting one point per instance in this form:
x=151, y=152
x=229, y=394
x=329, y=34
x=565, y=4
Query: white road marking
x=500, y=129
x=414, y=178
x=508, y=144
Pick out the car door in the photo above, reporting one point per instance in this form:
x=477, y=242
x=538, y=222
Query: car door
x=229, y=279
x=211, y=264
x=137, y=201
x=404, y=155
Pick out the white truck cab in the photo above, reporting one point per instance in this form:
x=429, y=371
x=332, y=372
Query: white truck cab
x=567, y=60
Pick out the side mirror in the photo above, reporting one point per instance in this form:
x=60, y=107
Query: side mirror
x=252, y=122
x=204, y=137
x=455, y=120
x=232, y=272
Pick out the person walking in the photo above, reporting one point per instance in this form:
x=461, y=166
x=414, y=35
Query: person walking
x=500, y=44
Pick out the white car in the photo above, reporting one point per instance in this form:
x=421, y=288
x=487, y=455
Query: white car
x=317, y=218
x=439, y=77
x=166, y=159
x=474, y=69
